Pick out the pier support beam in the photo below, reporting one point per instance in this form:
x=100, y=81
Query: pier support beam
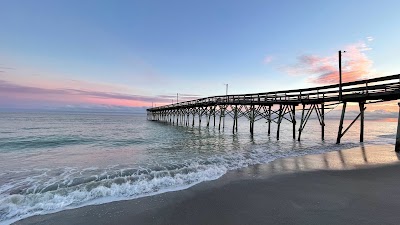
x=223, y=119
x=301, y=122
x=252, y=119
x=235, y=120
x=397, y=148
x=200, y=115
x=341, y=123
x=177, y=117
x=209, y=116
x=294, y=121
x=322, y=121
x=221, y=116
x=236, y=126
x=361, y=105
x=269, y=120
x=214, y=114
x=279, y=121
x=193, y=116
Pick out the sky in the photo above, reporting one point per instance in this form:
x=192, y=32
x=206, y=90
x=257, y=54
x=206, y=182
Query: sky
x=96, y=54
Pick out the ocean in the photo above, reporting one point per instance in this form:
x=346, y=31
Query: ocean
x=52, y=161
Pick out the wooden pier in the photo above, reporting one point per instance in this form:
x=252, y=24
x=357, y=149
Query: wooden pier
x=259, y=106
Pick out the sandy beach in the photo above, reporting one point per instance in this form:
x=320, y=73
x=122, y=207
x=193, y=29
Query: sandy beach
x=355, y=186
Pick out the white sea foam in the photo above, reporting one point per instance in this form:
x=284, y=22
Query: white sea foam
x=18, y=206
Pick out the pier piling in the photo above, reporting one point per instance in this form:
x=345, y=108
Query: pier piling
x=397, y=147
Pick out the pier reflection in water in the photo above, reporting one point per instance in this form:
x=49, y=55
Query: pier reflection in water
x=355, y=158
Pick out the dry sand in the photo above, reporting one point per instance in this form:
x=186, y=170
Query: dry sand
x=356, y=186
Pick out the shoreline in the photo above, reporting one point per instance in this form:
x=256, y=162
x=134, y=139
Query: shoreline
x=275, y=192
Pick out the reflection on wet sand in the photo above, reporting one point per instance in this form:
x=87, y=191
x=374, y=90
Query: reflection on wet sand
x=363, y=156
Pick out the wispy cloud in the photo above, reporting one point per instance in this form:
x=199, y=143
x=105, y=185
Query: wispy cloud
x=6, y=68
x=3, y=68
x=268, y=59
x=71, y=95
x=324, y=69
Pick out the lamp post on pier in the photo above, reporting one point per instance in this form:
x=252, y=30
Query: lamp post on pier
x=340, y=74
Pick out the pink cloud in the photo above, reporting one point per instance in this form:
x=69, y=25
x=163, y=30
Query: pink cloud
x=355, y=65
x=17, y=93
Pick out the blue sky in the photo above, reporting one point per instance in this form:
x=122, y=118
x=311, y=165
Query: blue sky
x=138, y=52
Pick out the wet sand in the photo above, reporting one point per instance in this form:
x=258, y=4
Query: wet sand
x=356, y=186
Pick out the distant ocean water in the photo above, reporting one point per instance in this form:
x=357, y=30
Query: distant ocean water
x=55, y=161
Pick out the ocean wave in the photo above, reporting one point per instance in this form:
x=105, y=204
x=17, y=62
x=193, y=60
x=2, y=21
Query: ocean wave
x=42, y=142
x=390, y=136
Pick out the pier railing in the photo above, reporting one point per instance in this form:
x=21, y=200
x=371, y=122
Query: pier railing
x=381, y=88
